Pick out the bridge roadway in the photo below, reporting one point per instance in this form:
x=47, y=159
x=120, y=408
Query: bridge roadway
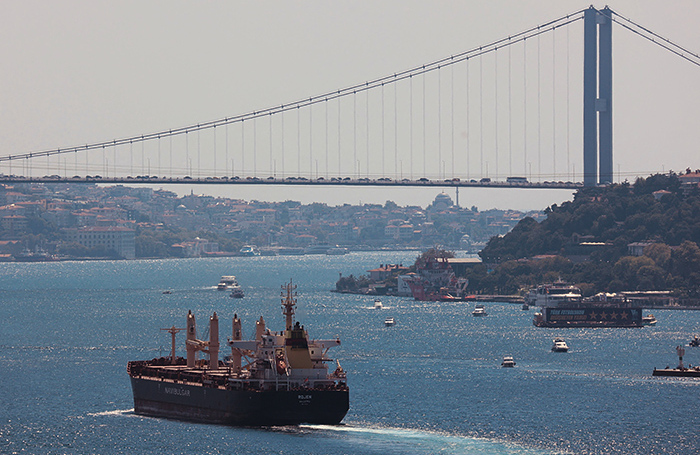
x=335, y=181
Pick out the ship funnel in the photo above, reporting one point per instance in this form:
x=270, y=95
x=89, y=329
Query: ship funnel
x=214, y=342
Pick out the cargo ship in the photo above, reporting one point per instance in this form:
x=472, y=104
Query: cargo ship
x=278, y=378
x=562, y=305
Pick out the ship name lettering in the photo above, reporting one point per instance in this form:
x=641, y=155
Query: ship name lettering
x=176, y=391
x=304, y=397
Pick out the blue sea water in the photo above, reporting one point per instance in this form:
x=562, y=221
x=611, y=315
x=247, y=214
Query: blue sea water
x=432, y=384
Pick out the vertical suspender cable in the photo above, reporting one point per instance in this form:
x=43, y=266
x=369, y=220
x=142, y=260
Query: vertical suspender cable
x=469, y=137
x=481, y=115
x=554, y=104
x=243, y=171
x=410, y=124
x=452, y=118
x=510, y=113
x=383, y=135
x=396, y=127
x=355, y=163
x=425, y=75
x=367, y=133
x=439, y=133
x=495, y=103
x=539, y=114
x=525, y=108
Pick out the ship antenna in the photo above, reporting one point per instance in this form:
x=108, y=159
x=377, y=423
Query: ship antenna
x=289, y=301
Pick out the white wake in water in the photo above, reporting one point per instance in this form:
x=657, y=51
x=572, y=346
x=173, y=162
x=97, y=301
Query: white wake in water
x=116, y=412
x=400, y=440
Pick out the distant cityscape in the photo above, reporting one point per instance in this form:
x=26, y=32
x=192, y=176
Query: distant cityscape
x=44, y=221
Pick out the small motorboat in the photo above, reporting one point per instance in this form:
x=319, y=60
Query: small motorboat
x=237, y=292
x=525, y=306
x=378, y=304
x=695, y=342
x=649, y=319
x=389, y=322
x=508, y=362
x=559, y=345
x=167, y=292
x=479, y=311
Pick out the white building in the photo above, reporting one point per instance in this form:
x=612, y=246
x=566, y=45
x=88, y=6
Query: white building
x=117, y=238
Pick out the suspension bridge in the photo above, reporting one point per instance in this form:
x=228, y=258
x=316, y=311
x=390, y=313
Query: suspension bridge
x=517, y=112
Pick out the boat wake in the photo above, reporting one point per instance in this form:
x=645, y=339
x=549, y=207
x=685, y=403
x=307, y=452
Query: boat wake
x=116, y=412
x=403, y=440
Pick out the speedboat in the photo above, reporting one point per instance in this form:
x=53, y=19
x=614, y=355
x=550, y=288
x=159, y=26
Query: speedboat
x=559, y=345
x=695, y=342
x=389, y=322
x=479, y=311
x=227, y=282
x=378, y=304
x=649, y=319
x=508, y=362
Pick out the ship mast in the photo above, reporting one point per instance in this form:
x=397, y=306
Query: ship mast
x=289, y=301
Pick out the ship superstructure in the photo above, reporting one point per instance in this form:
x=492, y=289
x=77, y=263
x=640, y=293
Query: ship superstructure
x=277, y=378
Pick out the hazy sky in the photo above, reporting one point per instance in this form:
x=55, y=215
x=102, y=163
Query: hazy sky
x=75, y=72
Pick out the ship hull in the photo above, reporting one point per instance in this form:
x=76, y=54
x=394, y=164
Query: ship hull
x=238, y=407
x=589, y=317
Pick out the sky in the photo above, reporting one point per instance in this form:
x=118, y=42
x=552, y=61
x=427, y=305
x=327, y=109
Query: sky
x=79, y=71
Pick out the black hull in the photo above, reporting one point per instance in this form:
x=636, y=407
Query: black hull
x=238, y=407
x=675, y=372
x=594, y=316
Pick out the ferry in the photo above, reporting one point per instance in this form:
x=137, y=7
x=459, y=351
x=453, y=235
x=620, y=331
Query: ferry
x=562, y=305
x=277, y=378
x=227, y=282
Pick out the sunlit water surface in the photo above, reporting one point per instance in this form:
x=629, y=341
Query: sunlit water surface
x=430, y=384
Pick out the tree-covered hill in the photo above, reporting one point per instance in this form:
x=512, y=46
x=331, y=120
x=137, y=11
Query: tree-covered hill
x=598, y=225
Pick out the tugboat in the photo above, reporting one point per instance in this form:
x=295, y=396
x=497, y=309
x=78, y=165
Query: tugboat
x=278, y=378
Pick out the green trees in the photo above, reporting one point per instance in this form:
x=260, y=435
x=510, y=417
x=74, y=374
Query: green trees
x=610, y=217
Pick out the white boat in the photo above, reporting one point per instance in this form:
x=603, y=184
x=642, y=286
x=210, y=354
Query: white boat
x=508, y=362
x=249, y=250
x=559, y=345
x=479, y=311
x=318, y=248
x=389, y=322
x=551, y=295
x=649, y=319
x=378, y=304
x=227, y=283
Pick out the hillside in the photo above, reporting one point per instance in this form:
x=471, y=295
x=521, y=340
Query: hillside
x=591, y=241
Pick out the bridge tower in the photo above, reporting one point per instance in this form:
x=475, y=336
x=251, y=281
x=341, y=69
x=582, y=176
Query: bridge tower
x=597, y=97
